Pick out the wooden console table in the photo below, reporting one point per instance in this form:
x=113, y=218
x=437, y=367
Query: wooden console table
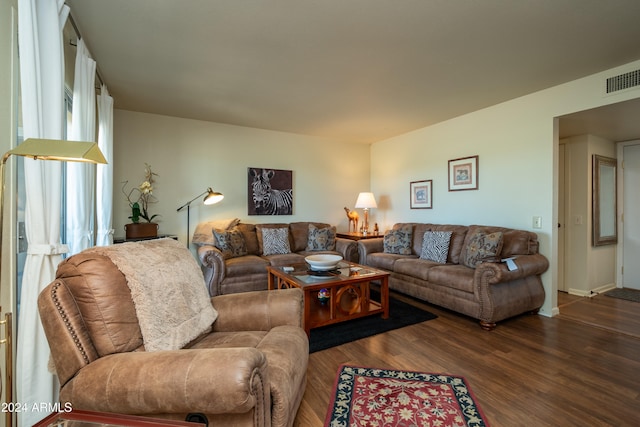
x=159, y=236
x=358, y=236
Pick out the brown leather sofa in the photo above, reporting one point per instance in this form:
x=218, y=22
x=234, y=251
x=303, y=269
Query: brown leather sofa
x=248, y=369
x=225, y=275
x=488, y=291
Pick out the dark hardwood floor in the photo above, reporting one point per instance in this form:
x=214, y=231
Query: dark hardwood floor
x=581, y=368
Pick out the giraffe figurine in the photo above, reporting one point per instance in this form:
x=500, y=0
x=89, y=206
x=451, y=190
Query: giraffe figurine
x=353, y=219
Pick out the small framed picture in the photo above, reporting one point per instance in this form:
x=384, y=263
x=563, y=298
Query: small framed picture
x=421, y=194
x=463, y=174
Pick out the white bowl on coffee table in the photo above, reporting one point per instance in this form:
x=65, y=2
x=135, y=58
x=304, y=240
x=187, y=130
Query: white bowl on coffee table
x=323, y=262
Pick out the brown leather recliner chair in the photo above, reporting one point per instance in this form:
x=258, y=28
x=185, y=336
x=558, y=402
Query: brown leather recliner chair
x=250, y=369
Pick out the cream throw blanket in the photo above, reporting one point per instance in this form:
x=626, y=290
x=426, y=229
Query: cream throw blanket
x=168, y=291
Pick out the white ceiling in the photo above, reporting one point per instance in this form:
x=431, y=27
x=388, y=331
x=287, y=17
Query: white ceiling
x=353, y=70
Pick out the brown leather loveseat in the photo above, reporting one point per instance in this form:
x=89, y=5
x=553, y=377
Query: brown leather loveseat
x=247, y=369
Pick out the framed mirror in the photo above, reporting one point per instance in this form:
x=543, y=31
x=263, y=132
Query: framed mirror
x=605, y=222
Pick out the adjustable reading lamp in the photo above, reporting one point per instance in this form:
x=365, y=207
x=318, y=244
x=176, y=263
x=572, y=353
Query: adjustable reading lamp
x=212, y=197
x=39, y=149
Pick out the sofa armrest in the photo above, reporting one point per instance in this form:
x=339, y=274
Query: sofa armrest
x=369, y=246
x=209, y=381
x=497, y=272
x=213, y=267
x=503, y=293
x=348, y=248
x=258, y=310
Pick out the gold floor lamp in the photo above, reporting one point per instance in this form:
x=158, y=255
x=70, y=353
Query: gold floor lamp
x=210, y=197
x=37, y=149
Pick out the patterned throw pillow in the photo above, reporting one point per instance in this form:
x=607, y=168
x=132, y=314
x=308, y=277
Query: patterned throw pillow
x=203, y=234
x=231, y=243
x=482, y=247
x=435, y=246
x=275, y=241
x=321, y=239
x=398, y=241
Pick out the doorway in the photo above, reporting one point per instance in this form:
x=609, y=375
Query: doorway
x=562, y=283
x=614, y=122
x=630, y=268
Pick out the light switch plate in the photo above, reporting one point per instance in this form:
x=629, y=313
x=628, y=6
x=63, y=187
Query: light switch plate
x=537, y=222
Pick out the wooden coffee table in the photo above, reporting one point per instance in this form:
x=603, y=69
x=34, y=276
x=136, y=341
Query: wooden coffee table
x=347, y=286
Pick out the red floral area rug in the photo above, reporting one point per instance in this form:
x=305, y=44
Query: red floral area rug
x=386, y=397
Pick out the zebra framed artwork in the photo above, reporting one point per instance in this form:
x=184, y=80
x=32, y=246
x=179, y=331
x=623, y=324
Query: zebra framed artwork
x=270, y=191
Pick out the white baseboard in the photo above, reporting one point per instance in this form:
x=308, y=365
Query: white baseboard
x=592, y=292
x=605, y=288
x=581, y=293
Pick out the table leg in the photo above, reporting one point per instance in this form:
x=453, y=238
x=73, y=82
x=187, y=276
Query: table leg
x=384, y=296
x=270, y=281
x=307, y=313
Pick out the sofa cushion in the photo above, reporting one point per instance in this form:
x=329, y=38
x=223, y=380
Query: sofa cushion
x=203, y=234
x=259, y=236
x=459, y=233
x=482, y=247
x=414, y=267
x=435, y=246
x=245, y=265
x=518, y=242
x=233, y=339
x=275, y=241
x=300, y=234
x=398, y=241
x=514, y=242
x=456, y=243
x=250, y=238
x=231, y=243
x=385, y=261
x=418, y=236
x=321, y=239
x=278, y=260
x=452, y=276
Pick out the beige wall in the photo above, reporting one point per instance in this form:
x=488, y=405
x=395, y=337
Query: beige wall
x=577, y=221
x=517, y=144
x=588, y=268
x=191, y=155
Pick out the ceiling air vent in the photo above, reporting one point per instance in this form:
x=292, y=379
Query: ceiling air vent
x=623, y=81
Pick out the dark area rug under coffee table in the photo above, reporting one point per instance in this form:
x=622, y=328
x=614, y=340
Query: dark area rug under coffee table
x=401, y=314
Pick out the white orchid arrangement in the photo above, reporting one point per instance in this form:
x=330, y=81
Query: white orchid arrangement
x=140, y=204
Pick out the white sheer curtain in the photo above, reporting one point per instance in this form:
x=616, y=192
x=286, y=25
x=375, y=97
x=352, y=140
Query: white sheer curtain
x=104, y=188
x=81, y=176
x=42, y=79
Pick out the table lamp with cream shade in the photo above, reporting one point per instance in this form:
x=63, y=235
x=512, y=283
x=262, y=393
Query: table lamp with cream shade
x=365, y=202
x=39, y=149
